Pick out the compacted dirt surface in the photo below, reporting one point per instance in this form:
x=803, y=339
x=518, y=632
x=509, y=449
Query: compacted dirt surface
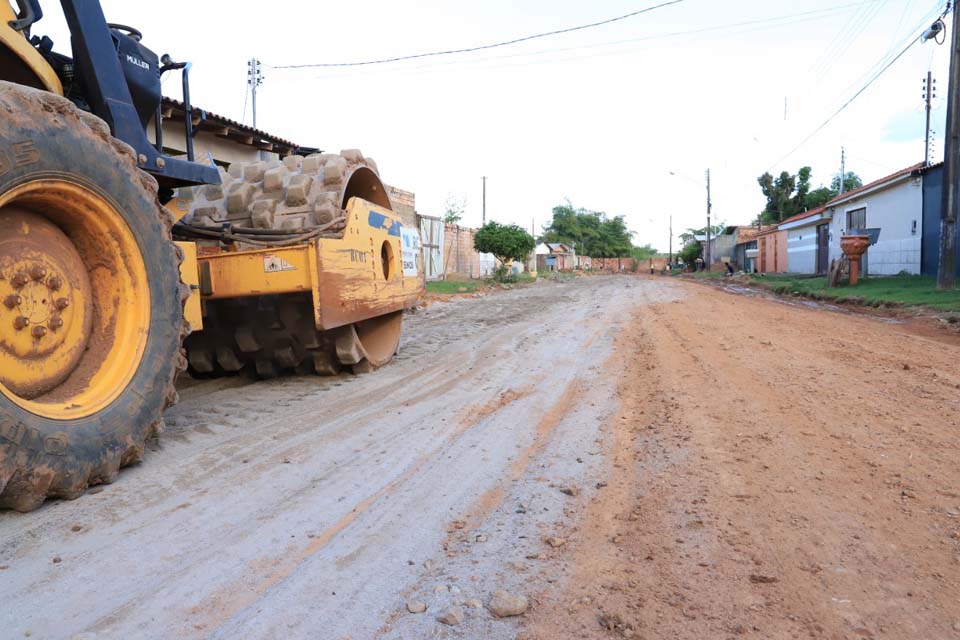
x=622, y=456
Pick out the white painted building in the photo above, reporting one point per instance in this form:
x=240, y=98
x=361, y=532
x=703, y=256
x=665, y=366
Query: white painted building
x=808, y=241
x=893, y=204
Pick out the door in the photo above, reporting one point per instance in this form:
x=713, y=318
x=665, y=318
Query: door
x=431, y=235
x=823, y=248
x=857, y=219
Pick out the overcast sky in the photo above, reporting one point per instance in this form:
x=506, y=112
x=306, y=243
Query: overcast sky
x=600, y=117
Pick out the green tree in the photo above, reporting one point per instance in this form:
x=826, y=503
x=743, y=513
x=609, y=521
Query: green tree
x=690, y=253
x=507, y=242
x=851, y=181
x=779, y=194
x=643, y=253
x=788, y=195
x=453, y=209
x=799, y=201
x=590, y=233
x=819, y=197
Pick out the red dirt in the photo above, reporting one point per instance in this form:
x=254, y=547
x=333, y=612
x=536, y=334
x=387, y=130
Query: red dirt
x=776, y=472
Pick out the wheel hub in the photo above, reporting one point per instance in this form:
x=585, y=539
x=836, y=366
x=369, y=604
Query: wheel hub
x=45, y=315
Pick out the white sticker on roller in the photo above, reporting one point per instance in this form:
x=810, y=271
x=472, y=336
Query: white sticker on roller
x=276, y=264
x=410, y=240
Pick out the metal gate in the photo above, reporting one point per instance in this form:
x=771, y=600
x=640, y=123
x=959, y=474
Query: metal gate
x=431, y=236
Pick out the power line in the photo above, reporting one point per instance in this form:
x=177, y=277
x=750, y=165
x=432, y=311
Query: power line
x=913, y=40
x=738, y=28
x=850, y=39
x=481, y=47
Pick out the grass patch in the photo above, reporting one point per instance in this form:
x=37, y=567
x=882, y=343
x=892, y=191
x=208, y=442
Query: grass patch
x=452, y=286
x=471, y=286
x=874, y=291
x=520, y=278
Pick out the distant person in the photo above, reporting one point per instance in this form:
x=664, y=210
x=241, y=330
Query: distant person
x=729, y=268
x=699, y=262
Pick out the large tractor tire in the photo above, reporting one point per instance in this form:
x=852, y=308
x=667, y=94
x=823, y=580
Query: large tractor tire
x=91, y=302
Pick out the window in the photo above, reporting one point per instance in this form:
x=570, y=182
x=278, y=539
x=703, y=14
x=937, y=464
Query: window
x=856, y=219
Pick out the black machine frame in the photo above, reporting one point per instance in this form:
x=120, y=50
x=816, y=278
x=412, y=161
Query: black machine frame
x=97, y=61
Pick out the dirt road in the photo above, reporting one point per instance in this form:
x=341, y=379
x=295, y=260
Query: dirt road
x=637, y=457
x=778, y=471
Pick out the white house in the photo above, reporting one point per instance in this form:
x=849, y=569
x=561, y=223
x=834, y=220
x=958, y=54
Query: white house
x=808, y=241
x=893, y=204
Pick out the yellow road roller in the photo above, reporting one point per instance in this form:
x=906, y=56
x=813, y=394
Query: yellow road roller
x=121, y=265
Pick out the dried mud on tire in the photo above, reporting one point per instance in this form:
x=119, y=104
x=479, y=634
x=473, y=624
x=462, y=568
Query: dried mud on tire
x=42, y=457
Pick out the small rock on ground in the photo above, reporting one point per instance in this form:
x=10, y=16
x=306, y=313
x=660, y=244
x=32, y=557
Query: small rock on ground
x=416, y=606
x=452, y=616
x=504, y=604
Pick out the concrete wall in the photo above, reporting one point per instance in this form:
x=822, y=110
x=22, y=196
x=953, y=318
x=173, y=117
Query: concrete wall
x=558, y=262
x=724, y=246
x=802, y=249
x=613, y=264
x=404, y=205
x=460, y=259
x=894, y=210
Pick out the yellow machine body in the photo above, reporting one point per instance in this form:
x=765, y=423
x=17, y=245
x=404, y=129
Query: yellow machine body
x=21, y=63
x=353, y=278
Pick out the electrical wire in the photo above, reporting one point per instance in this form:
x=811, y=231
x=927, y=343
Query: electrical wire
x=841, y=41
x=734, y=28
x=913, y=40
x=894, y=48
x=480, y=47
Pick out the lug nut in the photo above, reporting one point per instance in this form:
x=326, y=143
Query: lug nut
x=61, y=303
x=19, y=281
x=12, y=300
x=38, y=331
x=38, y=272
x=54, y=283
x=20, y=322
x=55, y=323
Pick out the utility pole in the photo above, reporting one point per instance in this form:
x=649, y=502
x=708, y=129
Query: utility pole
x=947, y=264
x=254, y=79
x=671, y=240
x=484, y=179
x=928, y=95
x=843, y=169
x=709, y=205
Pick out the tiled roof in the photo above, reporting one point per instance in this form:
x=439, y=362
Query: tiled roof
x=805, y=214
x=228, y=128
x=876, y=183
